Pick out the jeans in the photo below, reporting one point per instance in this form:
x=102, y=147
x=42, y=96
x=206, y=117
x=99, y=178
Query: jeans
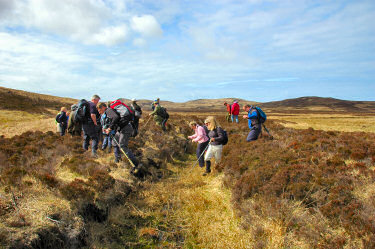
x=235, y=117
x=122, y=137
x=254, y=134
x=90, y=133
x=107, y=141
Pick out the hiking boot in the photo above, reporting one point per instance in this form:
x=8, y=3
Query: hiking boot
x=118, y=159
x=206, y=173
x=109, y=150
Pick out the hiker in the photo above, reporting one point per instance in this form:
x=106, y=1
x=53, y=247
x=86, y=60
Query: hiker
x=91, y=127
x=74, y=128
x=201, y=138
x=137, y=113
x=229, y=110
x=61, y=120
x=157, y=101
x=123, y=130
x=235, y=110
x=254, y=124
x=161, y=115
x=104, y=121
x=215, y=147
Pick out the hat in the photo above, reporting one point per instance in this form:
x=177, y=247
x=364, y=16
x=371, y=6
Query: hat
x=134, y=100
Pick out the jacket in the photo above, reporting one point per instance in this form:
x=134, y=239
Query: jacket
x=235, y=108
x=253, y=120
x=229, y=108
x=217, y=133
x=200, y=135
x=113, y=117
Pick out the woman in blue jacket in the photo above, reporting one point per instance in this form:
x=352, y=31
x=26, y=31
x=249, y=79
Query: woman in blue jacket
x=254, y=124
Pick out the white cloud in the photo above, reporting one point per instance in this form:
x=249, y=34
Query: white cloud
x=146, y=25
x=110, y=36
x=139, y=42
x=5, y=7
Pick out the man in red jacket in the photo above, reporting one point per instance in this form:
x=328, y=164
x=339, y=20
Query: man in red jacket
x=235, y=111
x=229, y=110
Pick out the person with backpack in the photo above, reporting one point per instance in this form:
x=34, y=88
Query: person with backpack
x=254, y=122
x=119, y=116
x=104, y=121
x=137, y=113
x=61, y=120
x=235, y=110
x=161, y=116
x=91, y=124
x=74, y=127
x=229, y=111
x=202, y=139
x=217, y=137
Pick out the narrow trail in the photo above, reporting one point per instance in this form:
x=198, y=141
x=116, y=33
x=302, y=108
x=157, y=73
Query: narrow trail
x=185, y=210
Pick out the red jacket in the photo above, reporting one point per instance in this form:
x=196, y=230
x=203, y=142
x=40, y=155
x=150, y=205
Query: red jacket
x=235, y=108
x=228, y=108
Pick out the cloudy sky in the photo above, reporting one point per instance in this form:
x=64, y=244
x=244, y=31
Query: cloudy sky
x=259, y=50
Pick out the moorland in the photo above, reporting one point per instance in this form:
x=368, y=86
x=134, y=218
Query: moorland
x=312, y=185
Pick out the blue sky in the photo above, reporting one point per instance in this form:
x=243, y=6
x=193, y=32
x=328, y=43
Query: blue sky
x=261, y=50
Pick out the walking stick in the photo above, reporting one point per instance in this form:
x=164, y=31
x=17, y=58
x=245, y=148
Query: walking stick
x=267, y=131
x=147, y=121
x=200, y=157
x=117, y=143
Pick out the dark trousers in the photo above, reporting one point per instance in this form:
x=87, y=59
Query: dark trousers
x=90, y=133
x=63, y=129
x=200, y=148
x=122, y=137
x=254, y=133
x=163, y=124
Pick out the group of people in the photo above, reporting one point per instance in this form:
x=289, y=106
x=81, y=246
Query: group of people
x=233, y=111
x=112, y=123
x=210, y=136
x=102, y=122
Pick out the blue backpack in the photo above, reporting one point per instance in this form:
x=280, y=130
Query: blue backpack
x=262, y=117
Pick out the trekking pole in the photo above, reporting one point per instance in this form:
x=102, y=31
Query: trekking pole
x=147, y=121
x=117, y=143
x=200, y=156
x=267, y=131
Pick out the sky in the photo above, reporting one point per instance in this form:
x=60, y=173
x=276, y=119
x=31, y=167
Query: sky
x=259, y=50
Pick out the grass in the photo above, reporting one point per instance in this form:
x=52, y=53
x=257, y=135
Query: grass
x=328, y=122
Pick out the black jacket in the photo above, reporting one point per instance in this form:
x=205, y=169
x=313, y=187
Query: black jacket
x=114, y=118
x=218, y=135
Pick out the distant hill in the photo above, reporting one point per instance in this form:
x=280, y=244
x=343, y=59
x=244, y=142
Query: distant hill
x=11, y=99
x=322, y=104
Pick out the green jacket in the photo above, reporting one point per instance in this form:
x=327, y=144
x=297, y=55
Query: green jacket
x=156, y=114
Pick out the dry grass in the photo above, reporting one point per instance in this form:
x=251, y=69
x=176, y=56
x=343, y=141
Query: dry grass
x=17, y=122
x=327, y=122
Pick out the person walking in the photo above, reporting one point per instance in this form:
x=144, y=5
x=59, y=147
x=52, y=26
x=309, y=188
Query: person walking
x=104, y=121
x=229, y=111
x=201, y=138
x=137, y=113
x=215, y=148
x=91, y=127
x=253, y=122
x=74, y=127
x=123, y=130
x=161, y=116
x=235, y=110
x=62, y=121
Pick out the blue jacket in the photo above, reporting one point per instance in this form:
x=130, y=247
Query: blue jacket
x=252, y=118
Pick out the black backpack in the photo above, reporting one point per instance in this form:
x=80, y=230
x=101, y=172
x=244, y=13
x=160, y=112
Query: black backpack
x=83, y=112
x=58, y=118
x=163, y=112
x=225, y=141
